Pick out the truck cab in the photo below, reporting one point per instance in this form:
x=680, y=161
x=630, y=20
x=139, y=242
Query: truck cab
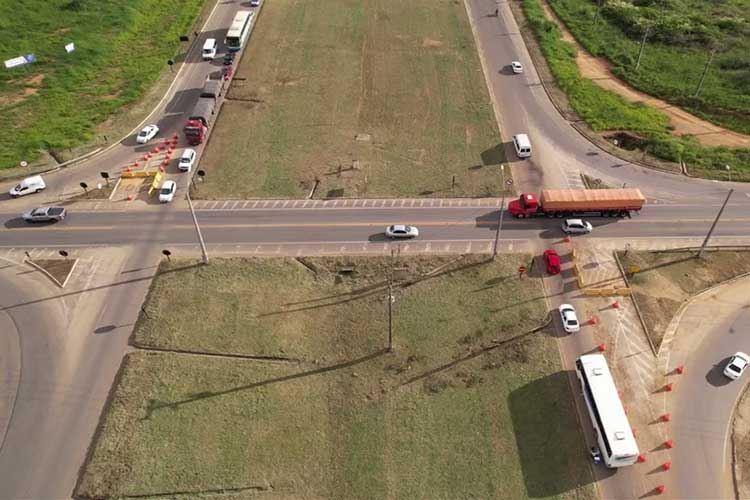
x=527, y=205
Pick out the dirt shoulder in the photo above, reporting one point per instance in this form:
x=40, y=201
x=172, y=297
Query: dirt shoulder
x=741, y=446
x=598, y=71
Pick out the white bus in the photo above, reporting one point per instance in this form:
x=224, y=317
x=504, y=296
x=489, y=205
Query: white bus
x=239, y=30
x=616, y=441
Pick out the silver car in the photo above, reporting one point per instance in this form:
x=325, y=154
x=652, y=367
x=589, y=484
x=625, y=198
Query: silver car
x=576, y=226
x=148, y=133
x=45, y=214
x=569, y=318
x=401, y=231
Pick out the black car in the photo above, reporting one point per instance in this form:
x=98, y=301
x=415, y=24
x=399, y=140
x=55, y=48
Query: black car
x=228, y=58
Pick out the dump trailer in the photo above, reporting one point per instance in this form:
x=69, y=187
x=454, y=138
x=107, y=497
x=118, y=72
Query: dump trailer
x=212, y=89
x=566, y=202
x=199, y=121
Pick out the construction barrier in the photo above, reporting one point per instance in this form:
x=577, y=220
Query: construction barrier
x=155, y=184
x=141, y=173
x=605, y=292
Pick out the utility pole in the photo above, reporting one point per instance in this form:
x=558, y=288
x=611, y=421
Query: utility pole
x=500, y=216
x=711, y=55
x=390, y=304
x=716, y=220
x=643, y=44
x=598, y=8
x=204, y=252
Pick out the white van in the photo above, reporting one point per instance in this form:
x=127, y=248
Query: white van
x=522, y=145
x=28, y=186
x=209, y=49
x=186, y=160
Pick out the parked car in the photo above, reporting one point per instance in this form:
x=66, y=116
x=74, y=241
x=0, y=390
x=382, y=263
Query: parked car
x=737, y=365
x=552, y=259
x=186, y=160
x=167, y=191
x=148, y=133
x=254, y=3
x=401, y=231
x=27, y=186
x=569, y=318
x=44, y=214
x=516, y=67
x=576, y=226
x=228, y=58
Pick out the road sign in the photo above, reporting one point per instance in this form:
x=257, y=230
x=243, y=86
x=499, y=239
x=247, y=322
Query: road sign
x=509, y=182
x=70, y=47
x=16, y=61
x=521, y=269
x=634, y=269
x=30, y=58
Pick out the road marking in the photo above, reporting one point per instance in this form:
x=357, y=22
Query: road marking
x=60, y=228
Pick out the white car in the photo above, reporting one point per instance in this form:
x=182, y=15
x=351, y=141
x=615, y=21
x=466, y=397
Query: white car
x=737, y=365
x=148, y=133
x=401, y=231
x=186, y=160
x=569, y=319
x=166, y=193
x=516, y=67
x=576, y=226
x=254, y=3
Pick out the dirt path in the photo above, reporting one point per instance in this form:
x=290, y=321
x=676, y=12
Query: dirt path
x=598, y=70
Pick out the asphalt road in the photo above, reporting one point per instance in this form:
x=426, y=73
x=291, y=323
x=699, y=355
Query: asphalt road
x=713, y=328
x=254, y=226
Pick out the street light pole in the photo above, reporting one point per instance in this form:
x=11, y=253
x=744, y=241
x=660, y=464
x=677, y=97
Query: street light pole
x=204, y=252
x=500, y=216
x=390, y=303
x=716, y=220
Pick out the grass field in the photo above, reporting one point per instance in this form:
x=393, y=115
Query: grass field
x=668, y=279
x=121, y=49
x=676, y=52
x=453, y=412
x=377, y=98
x=606, y=111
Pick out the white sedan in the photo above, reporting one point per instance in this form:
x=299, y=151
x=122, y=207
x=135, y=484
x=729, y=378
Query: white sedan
x=516, y=67
x=576, y=226
x=401, y=231
x=569, y=319
x=148, y=133
x=737, y=365
x=166, y=194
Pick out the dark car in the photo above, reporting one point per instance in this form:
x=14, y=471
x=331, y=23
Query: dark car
x=228, y=58
x=552, y=259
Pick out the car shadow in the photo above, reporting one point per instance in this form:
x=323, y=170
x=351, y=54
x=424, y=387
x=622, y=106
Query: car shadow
x=19, y=222
x=378, y=238
x=715, y=375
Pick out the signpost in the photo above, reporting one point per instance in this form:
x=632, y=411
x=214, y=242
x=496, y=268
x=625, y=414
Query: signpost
x=521, y=271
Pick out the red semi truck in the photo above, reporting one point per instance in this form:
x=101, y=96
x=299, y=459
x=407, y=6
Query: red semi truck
x=566, y=202
x=199, y=120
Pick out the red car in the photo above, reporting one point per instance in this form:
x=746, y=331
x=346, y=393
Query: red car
x=552, y=260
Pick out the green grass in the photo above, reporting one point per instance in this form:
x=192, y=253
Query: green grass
x=448, y=415
x=604, y=110
x=121, y=49
x=667, y=279
x=402, y=75
x=670, y=68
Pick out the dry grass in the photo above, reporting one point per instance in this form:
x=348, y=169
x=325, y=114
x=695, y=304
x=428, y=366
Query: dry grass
x=377, y=98
x=450, y=414
x=667, y=279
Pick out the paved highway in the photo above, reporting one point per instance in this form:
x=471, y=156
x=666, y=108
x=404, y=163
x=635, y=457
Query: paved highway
x=713, y=328
x=254, y=226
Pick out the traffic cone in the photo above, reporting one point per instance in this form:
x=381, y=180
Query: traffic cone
x=642, y=457
x=593, y=321
x=615, y=305
x=135, y=165
x=666, y=465
x=669, y=387
x=661, y=489
x=130, y=197
x=567, y=238
x=635, y=432
x=669, y=443
x=666, y=417
x=601, y=347
x=161, y=169
x=680, y=369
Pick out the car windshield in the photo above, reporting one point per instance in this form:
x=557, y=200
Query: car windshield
x=38, y=211
x=734, y=367
x=166, y=190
